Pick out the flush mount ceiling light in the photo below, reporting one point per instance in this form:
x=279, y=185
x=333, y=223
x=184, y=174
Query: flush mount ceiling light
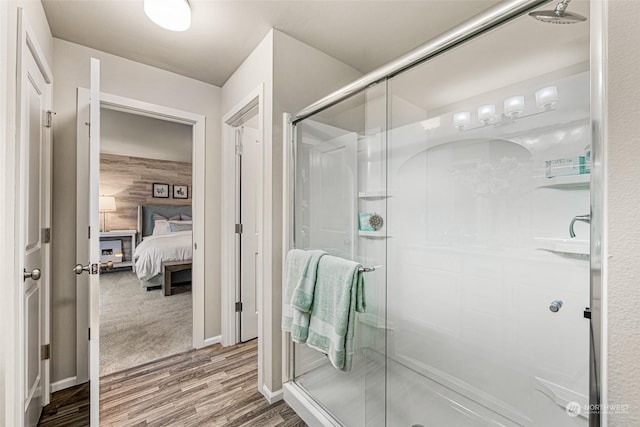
x=174, y=15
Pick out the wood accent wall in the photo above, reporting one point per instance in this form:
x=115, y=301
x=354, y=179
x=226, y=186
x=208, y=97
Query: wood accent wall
x=130, y=181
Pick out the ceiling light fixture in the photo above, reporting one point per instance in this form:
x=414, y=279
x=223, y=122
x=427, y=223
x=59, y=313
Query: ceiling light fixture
x=174, y=15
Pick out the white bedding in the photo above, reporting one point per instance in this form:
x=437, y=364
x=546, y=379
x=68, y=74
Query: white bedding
x=153, y=250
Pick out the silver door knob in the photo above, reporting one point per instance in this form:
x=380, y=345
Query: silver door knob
x=79, y=268
x=555, y=306
x=33, y=274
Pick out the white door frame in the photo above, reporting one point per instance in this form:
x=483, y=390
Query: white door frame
x=27, y=44
x=160, y=112
x=228, y=283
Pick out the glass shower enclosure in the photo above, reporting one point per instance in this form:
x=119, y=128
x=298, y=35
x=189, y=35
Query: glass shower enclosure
x=477, y=161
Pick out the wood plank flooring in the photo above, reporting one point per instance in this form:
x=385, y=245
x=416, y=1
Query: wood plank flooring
x=214, y=386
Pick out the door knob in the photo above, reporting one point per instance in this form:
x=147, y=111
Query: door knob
x=79, y=268
x=33, y=274
x=555, y=306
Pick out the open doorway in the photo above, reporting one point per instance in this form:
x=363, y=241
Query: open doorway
x=146, y=232
x=243, y=207
x=248, y=161
x=90, y=104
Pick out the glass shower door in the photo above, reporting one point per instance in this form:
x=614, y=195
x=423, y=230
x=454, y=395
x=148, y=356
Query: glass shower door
x=339, y=183
x=487, y=165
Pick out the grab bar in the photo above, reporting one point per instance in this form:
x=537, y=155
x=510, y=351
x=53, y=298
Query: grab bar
x=368, y=269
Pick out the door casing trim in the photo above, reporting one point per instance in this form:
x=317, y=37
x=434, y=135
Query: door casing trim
x=197, y=121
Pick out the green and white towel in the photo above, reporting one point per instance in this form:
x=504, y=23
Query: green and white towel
x=300, y=277
x=338, y=294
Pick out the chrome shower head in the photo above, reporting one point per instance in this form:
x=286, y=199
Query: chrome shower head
x=559, y=15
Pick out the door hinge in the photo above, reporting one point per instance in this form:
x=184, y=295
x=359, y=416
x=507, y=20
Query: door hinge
x=238, y=307
x=88, y=232
x=238, y=149
x=46, y=352
x=48, y=118
x=238, y=228
x=46, y=235
x=89, y=334
x=587, y=313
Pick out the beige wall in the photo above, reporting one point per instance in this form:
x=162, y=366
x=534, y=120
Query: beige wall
x=294, y=75
x=130, y=79
x=623, y=151
x=130, y=181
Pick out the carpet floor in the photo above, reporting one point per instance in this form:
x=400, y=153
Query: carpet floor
x=137, y=326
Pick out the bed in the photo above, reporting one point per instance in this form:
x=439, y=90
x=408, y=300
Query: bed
x=163, y=243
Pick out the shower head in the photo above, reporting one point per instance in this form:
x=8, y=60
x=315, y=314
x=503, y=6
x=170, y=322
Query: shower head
x=559, y=15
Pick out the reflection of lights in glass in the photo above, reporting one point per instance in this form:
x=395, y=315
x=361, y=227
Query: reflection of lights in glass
x=514, y=106
x=487, y=113
x=547, y=97
x=431, y=124
x=461, y=120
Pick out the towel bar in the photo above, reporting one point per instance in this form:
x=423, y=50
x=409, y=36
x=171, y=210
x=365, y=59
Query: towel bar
x=368, y=269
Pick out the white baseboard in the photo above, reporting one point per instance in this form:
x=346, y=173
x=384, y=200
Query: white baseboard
x=213, y=340
x=272, y=397
x=65, y=383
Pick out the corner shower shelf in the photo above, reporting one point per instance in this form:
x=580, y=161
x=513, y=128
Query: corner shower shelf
x=373, y=234
x=570, y=181
x=374, y=194
x=564, y=246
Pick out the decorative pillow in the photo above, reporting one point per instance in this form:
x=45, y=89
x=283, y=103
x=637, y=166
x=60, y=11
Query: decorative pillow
x=160, y=227
x=180, y=226
x=185, y=217
x=158, y=217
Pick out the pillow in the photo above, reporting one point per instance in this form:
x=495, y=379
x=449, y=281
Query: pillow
x=185, y=217
x=160, y=227
x=158, y=217
x=180, y=226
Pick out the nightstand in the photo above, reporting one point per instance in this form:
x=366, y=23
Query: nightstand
x=128, y=239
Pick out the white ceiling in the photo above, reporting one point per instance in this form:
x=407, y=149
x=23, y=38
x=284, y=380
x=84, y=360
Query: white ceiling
x=364, y=34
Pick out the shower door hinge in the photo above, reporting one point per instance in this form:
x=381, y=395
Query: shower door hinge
x=238, y=228
x=238, y=307
x=46, y=352
x=587, y=313
x=48, y=118
x=238, y=149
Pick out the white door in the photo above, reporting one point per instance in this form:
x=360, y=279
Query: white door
x=91, y=263
x=250, y=159
x=333, y=210
x=35, y=101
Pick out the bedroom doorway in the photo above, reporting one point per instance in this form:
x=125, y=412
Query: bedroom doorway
x=89, y=105
x=146, y=223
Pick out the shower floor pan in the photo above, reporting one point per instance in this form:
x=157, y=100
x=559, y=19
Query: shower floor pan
x=357, y=398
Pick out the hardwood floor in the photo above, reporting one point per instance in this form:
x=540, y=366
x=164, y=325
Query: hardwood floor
x=215, y=386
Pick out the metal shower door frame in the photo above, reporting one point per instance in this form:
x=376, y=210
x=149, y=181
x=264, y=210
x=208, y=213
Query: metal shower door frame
x=481, y=23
